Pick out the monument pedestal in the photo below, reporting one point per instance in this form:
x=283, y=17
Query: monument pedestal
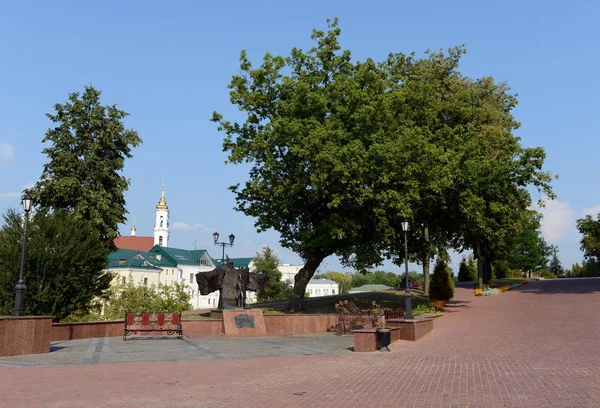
x=216, y=314
x=244, y=323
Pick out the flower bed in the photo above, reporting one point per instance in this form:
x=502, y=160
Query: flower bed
x=495, y=291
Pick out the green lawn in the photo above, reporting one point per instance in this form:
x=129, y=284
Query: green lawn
x=390, y=299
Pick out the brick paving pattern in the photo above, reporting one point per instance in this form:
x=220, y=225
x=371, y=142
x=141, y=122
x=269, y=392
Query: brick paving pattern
x=536, y=346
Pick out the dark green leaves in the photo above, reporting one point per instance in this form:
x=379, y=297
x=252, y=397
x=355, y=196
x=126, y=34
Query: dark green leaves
x=87, y=152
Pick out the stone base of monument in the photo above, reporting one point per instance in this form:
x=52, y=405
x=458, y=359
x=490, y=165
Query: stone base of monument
x=244, y=323
x=216, y=314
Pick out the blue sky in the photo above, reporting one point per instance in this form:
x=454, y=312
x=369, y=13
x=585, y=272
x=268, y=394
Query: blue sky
x=169, y=66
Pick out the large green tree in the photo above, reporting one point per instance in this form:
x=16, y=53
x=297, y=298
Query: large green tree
x=89, y=145
x=311, y=119
x=531, y=251
x=343, y=152
x=589, y=228
x=64, y=264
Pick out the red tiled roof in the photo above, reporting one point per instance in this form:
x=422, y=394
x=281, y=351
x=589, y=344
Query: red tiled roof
x=134, y=243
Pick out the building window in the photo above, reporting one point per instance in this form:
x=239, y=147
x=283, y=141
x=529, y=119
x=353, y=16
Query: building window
x=162, y=221
x=191, y=278
x=160, y=241
x=145, y=281
x=123, y=280
x=333, y=291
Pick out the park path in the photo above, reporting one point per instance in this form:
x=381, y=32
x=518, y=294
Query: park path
x=536, y=346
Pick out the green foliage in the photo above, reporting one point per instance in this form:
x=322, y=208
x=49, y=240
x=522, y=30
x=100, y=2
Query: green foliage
x=359, y=279
x=89, y=145
x=64, y=264
x=382, y=278
x=128, y=297
x=342, y=279
x=467, y=270
x=588, y=268
x=590, y=242
x=442, y=285
x=267, y=262
x=423, y=309
x=501, y=269
x=341, y=152
x=531, y=252
x=555, y=266
x=548, y=275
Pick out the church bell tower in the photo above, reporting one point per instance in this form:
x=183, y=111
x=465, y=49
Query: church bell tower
x=161, y=225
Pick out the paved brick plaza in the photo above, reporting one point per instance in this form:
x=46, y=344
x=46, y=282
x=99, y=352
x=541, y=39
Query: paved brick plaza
x=537, y=346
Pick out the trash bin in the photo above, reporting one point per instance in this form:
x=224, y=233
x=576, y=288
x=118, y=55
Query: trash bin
x=384, y=338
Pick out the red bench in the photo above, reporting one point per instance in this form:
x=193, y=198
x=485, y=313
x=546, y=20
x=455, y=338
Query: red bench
x=153, y=322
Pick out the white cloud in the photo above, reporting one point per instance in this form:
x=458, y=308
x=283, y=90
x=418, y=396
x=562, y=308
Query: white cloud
x=9, y=196
x=186, y=226
x=7, y=153
x=15, y=195
x=558, y=220
x=593, y=211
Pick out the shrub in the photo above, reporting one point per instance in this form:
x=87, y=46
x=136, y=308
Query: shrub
x=548, y=275
x=442, y=285
x=501, y=269
x=513, y=274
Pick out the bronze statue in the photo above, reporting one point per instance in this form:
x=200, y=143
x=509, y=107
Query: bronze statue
x=231, y=283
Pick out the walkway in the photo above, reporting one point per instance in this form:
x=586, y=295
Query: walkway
x=536, y=346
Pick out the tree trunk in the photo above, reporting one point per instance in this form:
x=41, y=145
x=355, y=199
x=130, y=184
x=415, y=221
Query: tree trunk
x=301, y=280
x=426, y=261
x=479, y=256
x=487, y=267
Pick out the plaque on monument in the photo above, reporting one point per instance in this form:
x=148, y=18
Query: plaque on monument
x=244, y=320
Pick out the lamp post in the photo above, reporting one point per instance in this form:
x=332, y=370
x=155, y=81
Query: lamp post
x=407, y=295
x=223, y=244
x=19, y=310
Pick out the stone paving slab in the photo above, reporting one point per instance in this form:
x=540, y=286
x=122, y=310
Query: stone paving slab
x=535, y=346
x=115, y=350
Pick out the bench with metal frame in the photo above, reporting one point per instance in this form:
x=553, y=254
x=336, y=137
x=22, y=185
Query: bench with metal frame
x=169, y=322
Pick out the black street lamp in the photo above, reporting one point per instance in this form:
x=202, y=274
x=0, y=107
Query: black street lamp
x=223, y=244
x=407, y=295
x=19, y=310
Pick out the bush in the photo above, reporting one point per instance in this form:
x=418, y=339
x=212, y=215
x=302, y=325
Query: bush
x=548, y=275
x=513, y=274
x=141, y=298
x=442, y=285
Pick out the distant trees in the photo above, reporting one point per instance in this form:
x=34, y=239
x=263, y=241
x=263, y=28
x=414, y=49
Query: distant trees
x=342, y=279
x=467, y=270
x=530, y=254
x=348, y=281
x=555, y=266
x=589, y=228
x=267, y=262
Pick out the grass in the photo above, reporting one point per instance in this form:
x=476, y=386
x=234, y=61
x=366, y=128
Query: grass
x=391, y=299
